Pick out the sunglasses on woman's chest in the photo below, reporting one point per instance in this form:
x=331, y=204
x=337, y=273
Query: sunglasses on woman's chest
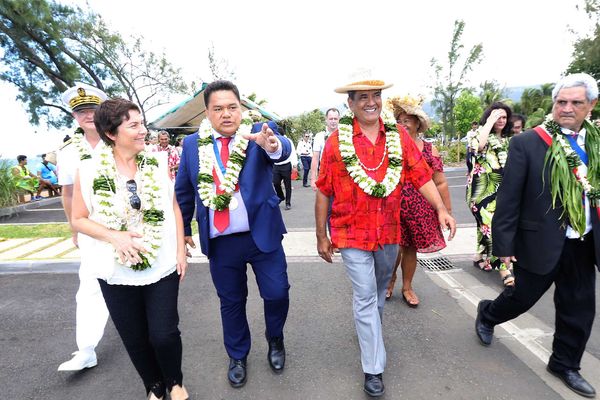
x=134, y=200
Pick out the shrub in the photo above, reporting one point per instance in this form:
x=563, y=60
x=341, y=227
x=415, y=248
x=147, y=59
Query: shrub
x=453, y=153
x=8, y=189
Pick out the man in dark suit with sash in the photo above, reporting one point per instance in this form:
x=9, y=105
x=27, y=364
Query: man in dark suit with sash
x=225, y=175
x=547, y=224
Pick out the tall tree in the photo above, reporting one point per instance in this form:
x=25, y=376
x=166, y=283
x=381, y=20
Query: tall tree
x=586, y=55
x=219, y=66
x=452, y=79
x=586, y=50
x=312, y=121
x=468, y=108
x=48, y=47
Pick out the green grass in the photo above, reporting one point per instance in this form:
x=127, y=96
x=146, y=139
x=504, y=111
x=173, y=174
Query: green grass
x=47, y=230
x=34, y=231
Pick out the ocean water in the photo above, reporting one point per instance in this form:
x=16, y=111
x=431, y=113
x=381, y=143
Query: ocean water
x=33, y=163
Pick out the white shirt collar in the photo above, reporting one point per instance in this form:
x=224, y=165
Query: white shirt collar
x=570, y=132
x=217, y=135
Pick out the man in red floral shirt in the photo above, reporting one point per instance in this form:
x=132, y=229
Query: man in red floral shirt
x=172, y=153
x=363, y=167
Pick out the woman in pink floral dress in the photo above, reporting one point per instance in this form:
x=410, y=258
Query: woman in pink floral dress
x=419, y=225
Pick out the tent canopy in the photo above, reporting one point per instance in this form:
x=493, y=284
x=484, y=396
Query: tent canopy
x=190, y=113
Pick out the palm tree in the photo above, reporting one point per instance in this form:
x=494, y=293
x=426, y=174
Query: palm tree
x=490, y=93
x=546, y=89
x=530, y=100
x=534, y=99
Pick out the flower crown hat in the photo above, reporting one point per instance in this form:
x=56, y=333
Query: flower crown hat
x=411, y=106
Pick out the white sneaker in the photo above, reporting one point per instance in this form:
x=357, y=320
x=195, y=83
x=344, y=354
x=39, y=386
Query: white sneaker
x=79, y=361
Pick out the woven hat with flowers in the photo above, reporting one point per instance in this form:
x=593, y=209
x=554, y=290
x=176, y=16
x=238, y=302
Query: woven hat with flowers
x=411, y=106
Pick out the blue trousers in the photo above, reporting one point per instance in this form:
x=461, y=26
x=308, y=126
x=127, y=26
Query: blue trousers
x=306, y=160
x=230, y=255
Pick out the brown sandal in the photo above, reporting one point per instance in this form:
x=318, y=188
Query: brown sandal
x=508, y=279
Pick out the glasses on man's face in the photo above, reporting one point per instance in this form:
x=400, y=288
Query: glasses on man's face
x=134, y=200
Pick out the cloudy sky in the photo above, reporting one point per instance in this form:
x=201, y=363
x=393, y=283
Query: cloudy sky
x=293, y=53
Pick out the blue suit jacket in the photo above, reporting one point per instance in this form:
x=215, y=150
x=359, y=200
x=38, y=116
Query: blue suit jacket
x=256, y=187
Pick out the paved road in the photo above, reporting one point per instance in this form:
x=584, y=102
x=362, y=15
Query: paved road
x=432, y=350
x=50, y=212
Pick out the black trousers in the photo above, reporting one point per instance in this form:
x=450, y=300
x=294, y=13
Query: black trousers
x=283, y=173
x=306, y=160
x=574, y=278
x=146, y=318
x=469, y=161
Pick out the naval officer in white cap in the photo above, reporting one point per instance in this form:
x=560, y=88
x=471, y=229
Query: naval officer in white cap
x=91, y=314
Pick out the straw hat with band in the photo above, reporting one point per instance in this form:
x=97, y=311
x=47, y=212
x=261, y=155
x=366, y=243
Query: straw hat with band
x=363, y=80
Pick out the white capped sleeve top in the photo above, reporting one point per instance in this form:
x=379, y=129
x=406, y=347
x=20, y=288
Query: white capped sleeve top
x=98, y=257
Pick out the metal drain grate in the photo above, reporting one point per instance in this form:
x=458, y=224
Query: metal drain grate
x=435, y=263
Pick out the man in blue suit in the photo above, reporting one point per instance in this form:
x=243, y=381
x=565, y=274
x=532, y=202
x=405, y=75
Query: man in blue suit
x=238, y=218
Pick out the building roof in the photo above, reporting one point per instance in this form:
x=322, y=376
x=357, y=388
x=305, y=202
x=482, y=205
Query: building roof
x=190, y=113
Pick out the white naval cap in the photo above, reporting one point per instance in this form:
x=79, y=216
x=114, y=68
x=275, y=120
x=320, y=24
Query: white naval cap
x=82, y=96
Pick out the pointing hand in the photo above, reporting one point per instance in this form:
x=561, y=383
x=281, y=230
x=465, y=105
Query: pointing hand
x=265, y=139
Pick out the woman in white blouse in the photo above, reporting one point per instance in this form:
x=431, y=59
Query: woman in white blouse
x=131, y=239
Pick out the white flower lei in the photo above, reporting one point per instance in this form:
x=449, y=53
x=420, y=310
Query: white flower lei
x=207, y=162
x=82, y=146
x=367, y=184
x=105, y=190
x=499, y=148
x=77, y=140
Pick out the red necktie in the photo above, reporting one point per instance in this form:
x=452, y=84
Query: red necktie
x=221, y=218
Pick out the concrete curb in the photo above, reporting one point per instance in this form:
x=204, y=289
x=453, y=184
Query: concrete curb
x=8, y=211
x=299, y=245
x=72, y=267
x=39, y=267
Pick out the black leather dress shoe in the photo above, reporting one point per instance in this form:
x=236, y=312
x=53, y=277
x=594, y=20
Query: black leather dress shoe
x=276, y=354
x=574, y=381
x=237, y=372
x=485, y=332
x=374, y=385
